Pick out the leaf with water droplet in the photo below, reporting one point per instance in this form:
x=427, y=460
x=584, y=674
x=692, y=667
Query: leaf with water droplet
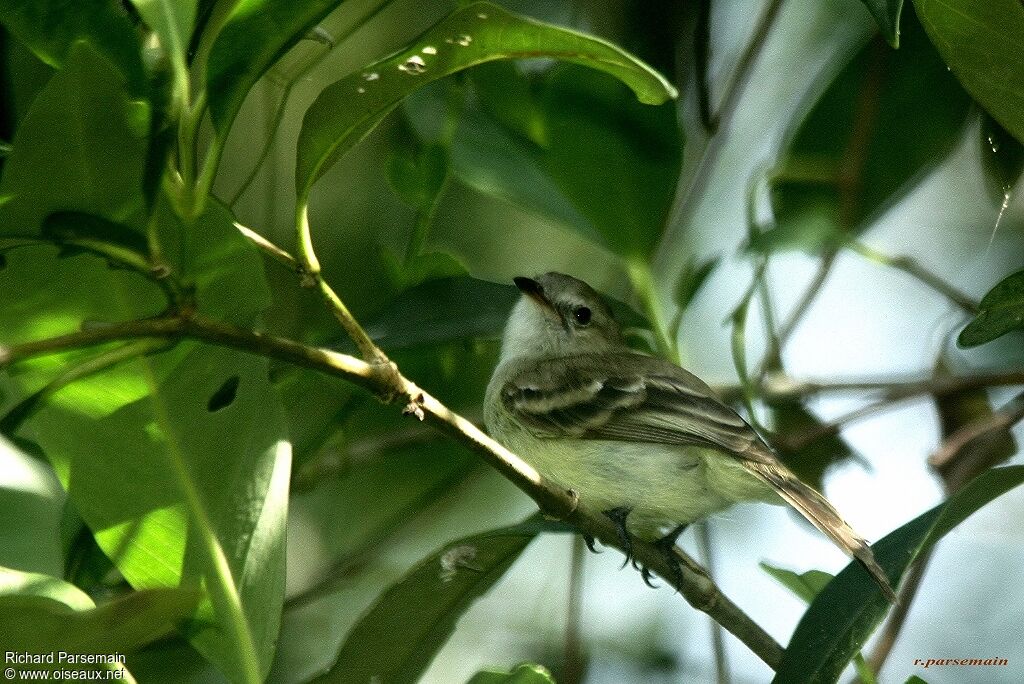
x=1003, y=157
x=331, y=127
x=1001, y=311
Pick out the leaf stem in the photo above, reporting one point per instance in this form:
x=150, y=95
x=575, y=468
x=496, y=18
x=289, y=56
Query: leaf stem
x=913, y=268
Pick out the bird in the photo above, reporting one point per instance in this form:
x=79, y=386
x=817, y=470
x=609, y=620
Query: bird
x=635, y=437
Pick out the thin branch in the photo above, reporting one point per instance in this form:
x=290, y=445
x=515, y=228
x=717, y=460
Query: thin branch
x=914, y=269
x=722, y=120
x=574, y=663
x=697, y=588
x=269, y=248
x=900, y=611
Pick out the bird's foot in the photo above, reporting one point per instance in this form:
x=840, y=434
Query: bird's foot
x=666, y=545
x=618, y=517
x=589, y=541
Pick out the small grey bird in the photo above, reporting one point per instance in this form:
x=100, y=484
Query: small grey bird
x=639, y=439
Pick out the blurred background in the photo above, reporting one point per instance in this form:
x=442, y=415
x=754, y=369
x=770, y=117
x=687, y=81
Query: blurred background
x=373, y=494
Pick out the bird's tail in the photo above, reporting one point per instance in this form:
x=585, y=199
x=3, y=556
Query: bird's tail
x=822, y=515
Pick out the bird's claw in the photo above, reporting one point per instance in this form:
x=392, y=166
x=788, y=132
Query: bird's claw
x=618, y=517
x=589, y=541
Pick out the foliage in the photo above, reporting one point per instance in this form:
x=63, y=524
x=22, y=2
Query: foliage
x=166, y=468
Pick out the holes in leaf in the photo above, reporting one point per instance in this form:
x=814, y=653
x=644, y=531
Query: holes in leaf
x=224, y=395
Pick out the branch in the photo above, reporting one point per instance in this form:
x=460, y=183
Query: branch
x=389, y=386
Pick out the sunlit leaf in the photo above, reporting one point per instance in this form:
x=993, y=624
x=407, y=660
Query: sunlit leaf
x=981, y=43
x=415, y=617
x=884, y=120
x=1001, y=311
x=524, y=674
x=53, y=616
x=350, y=108
x=848, y=609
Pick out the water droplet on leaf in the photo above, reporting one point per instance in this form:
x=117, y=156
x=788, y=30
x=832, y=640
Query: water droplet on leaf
x=430, y=50
x=413, y=65
x=371, y=76
x=464, y=40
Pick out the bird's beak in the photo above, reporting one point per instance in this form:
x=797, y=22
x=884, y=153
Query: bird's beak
x=534, y=290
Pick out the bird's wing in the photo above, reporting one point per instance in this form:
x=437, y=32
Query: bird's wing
x=626, y=397
x=630, y=397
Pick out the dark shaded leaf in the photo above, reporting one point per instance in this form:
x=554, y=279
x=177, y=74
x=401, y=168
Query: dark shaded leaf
x=810, y=460
x=523, y=674
x=981, y=43
x=1001, y=311
x=480, y=32
x=884, y=120
x=691, y=279
x=256, y=34
x=50, y=27
x=887, y=16
x=81, y=147
x=415, y=617
x=848, y=609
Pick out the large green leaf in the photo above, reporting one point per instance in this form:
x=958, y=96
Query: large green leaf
x=415, y=617
x=50, y=27
x=846, y=611
x=82, y=146
x=1001, y=311
x=255, y=35
x=181, y=489
x=41, y=614
x=480, y=32
x=177, y=462
x=882, y=122
x=980, y=42
x=887, y=16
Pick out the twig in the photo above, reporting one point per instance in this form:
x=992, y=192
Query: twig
x=574, y=663
x=703, y=533
x=696, y=586
x=913, y=268
x=900, y=611
x=269, y=248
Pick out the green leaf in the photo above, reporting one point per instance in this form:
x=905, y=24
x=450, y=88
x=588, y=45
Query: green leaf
x=46, y=625
x=442, y=311
x=51, y=27
x=615, y=159
x=81, y=147
x=882, y=122
x=348, y=110
x=177, y=494
x=810, y=461
x=914, y=679
x=523, y=674
x=255, y=35
x=172, y=22
x=691, y=279
x=846, y=611
x=414, y=618
x=980, y=42
x=1002, y=156
x=806, y=585
x=17, y=583
x=1001, y=311
x=887, y=16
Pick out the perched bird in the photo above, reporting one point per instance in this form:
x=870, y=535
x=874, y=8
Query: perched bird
x=637, y=438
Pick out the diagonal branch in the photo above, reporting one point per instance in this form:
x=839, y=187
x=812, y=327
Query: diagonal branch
x=390, y=386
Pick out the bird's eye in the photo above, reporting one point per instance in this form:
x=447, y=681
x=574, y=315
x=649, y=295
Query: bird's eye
x=582, y=315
